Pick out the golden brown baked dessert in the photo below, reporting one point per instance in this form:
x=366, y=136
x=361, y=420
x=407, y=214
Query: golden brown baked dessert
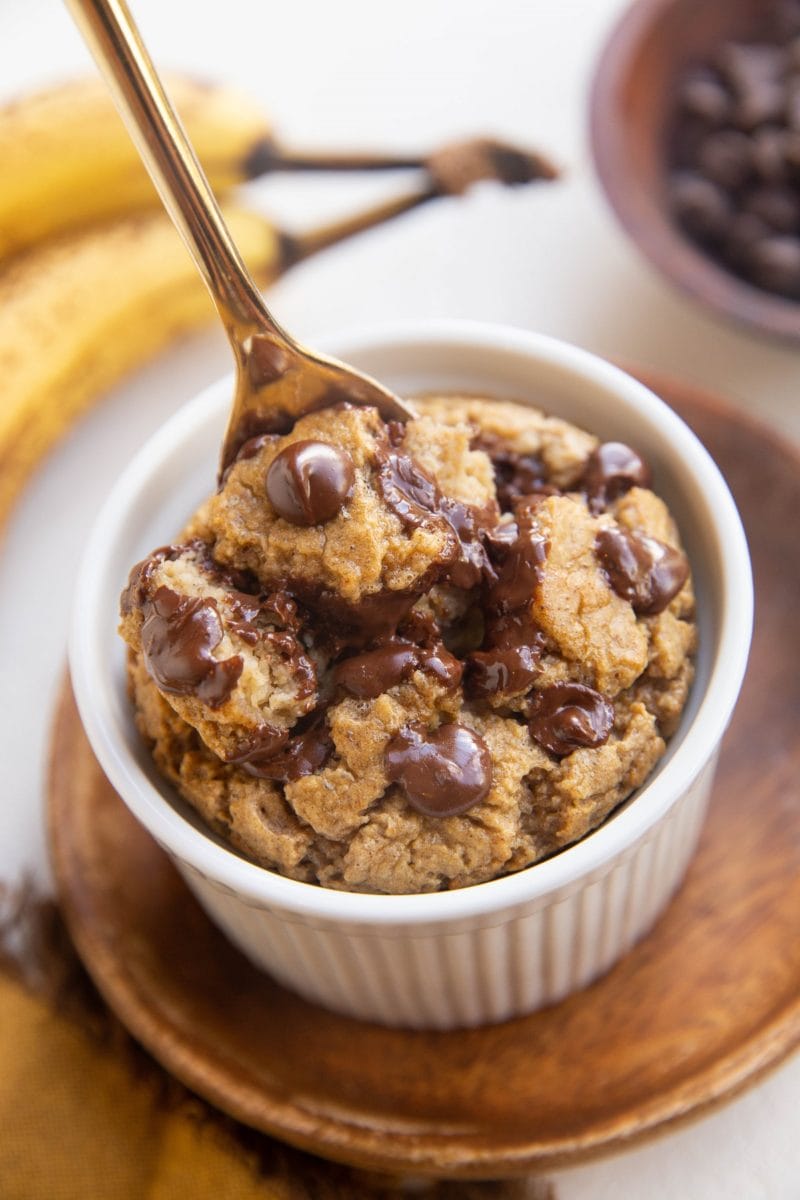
x=407, y=658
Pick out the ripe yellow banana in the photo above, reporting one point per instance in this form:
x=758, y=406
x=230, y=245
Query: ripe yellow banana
x=77, y=313
x=66, y=160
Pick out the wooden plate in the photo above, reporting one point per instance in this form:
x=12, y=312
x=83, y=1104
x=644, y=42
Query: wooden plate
x=702, y=1007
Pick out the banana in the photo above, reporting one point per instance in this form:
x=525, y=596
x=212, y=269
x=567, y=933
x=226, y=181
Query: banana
x=66, y=160
x=77, y=313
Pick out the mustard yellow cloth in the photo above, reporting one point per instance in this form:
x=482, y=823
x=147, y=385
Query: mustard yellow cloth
x=86, y=1114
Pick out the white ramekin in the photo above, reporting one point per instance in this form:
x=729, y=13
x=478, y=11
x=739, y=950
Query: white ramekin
x=499, y=949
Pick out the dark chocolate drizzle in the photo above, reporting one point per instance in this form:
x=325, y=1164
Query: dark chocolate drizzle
x=443, y=772
x=566, y=716
x=641, y=569
x=611, y=470
x=507, y=663
x=520, y=570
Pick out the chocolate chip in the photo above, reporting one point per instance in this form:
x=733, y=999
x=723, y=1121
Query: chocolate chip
x=763, y=101
x=703, y=95
x=443, y=772
x=744, y=65
x=566, y=716
x=726, y=159
x=509, y=663
x=414, y=497
x=515, y=474
x=611, y=470
x=308, y=482
x=520, y=572
x=272, y=754
x=732, y=168
x=768, y=148
x=370, y=674
x=793, y=102
x=640, y=569
x=255, y=445
x=407, y=490
x=775, y=265
x=179, y=634
x=778, y=207
x=791, y=154
x=700, y=206
x=744, y=232
x=784, y=19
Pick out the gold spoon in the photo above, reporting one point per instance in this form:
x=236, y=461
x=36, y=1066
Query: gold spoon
x=277, y=379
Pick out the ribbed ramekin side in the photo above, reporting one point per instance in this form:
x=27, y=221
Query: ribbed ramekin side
x=439, y=977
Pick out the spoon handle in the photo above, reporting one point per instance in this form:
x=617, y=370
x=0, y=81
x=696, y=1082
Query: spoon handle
x=161, y=140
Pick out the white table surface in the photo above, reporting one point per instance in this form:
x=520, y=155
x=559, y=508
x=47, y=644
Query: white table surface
x=405, y=76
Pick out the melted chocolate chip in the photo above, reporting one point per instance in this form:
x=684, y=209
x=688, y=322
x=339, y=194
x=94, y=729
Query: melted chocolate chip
x=442, y=773
x=245, y=611
x=374, y=618
x=370, y=674
x=515, y=475
x=566, y=716
x=252, y=619
x=509, y=663
x=262, y=744
x=282, y=759
x=500, y=539
x=255, y=445
x=520, y=571
x=407, y=490
x=641, y=569
x=308, y=482
x=413, y=496
x=178, y=636
x=374, y=672
x=135, y=591
x=253, y=425
x=469, y=523
x=611, y=470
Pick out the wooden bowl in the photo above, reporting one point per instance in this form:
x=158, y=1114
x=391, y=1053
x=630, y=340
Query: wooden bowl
x=630, y=106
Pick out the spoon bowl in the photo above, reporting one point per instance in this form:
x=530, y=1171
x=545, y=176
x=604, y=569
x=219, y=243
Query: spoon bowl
x=277, y=379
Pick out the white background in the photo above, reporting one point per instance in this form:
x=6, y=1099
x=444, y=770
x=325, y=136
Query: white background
x=404, y=76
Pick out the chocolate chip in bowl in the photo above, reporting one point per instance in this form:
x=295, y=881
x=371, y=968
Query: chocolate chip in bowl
x=694, y=132
x=735, y=152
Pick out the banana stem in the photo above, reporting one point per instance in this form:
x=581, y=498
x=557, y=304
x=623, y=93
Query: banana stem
x=451, y=171
x=297, y=247
x=266, y=157
x=456, y=165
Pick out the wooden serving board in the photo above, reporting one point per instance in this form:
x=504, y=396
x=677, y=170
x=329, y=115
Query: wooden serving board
x=706, y=1004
